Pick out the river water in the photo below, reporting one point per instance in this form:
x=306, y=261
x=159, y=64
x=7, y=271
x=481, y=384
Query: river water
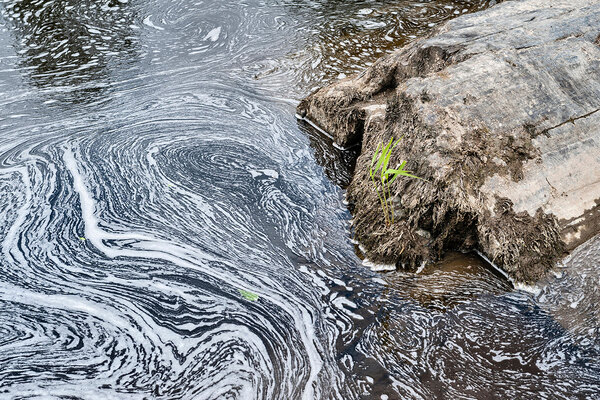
x=153, y=178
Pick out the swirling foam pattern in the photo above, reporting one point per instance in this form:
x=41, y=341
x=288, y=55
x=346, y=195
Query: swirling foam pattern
x=151, y=168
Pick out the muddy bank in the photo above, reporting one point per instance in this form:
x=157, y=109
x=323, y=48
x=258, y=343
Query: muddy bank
x=499, y=111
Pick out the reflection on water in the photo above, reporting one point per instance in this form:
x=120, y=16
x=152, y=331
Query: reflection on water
x=458, y=278
x=151, y=167
x=338, y=164
x=347, y=35
x=72, y=43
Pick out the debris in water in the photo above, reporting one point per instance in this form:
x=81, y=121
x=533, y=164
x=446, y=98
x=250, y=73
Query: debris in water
x=248, y=295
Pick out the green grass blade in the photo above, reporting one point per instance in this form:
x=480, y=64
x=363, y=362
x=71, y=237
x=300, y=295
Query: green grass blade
x=380, y=165
x=393, y=178
x=386, y=162
x=388, y=155
x=400, y=172
x=387, y=148
x=380, y=160
x=408, y=174
x=375, y=155
x=385, y=151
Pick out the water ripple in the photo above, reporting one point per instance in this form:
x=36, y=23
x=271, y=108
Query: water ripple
x=152, y=172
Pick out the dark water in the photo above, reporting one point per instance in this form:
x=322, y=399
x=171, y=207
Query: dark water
x=151, y=167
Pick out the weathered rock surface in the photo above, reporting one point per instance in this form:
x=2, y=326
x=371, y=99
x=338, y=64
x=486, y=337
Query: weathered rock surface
x=500, y=111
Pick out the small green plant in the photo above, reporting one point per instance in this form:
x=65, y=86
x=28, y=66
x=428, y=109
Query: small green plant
x=382, y=177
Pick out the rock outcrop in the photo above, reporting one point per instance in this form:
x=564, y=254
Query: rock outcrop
x=500, y=111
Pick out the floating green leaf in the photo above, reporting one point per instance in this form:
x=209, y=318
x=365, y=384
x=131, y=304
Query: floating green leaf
x=248, y=295
x=82, y=239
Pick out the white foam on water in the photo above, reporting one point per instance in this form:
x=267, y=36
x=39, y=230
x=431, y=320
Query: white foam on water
x=527, y=288
x=148, y=247
x=378, y=267
x=148, y=22
x=213, y=34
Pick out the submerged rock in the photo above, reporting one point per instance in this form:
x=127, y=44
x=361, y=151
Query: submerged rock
x=499, y=110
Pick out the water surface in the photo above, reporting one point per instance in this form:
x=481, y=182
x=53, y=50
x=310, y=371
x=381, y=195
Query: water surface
x=151, y=168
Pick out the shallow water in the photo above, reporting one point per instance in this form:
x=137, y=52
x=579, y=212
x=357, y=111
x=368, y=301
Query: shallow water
x=151, y=168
